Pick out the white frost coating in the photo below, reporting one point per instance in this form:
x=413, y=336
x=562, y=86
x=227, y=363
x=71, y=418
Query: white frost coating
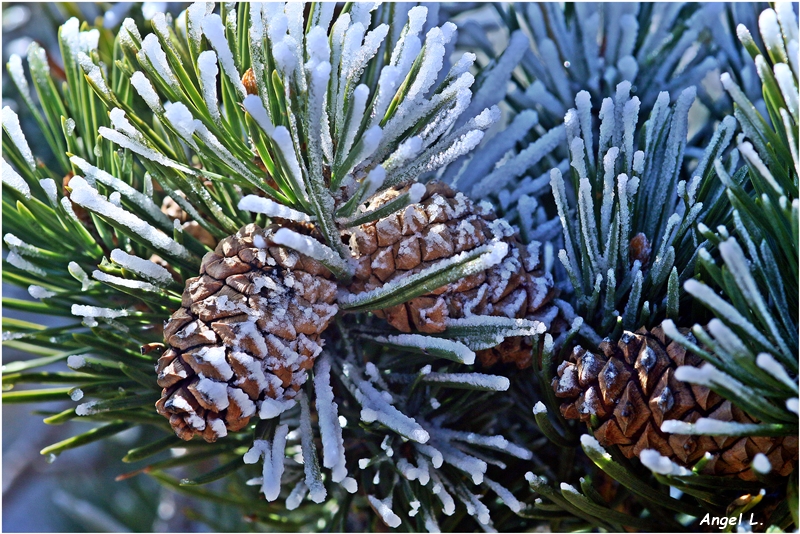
x=13, y=180
x=152, y=49
x=195, y=14
x=464, y=354
x=273, y=464
x=76, y=271
x=137, y=146
x=316, y=488
x=271, y=408
x=708, y=427
x=14, y=131
x=259, y=448
x=415, y=194
x=208, y=70
x=793, y=404
x=215, y=393
x=283, y=139
x=539, y=407
x=146, y=91
x=76, y=395
x=330, y=431
x=100, y=276
x=475, y=380
x=95, y=311
x=94, y=74
x=474, y=467
x=747, y=150
x=87, y=408
x=283, y=52
x=296, y=496
x=317, y=45
x=505, y=495
x=270, y=208
x=448, y=504
x=785, y=79
x=386, y=513
x=761, y=464
x=771, y=365
x=215, y=33
x=18, y=75
x=144, y=268
x=589, y=442
x=656, y=463
x=75, y=362
x=706, y=375
x=771, y=31
x=407, y=150
x=86, y=197
x=309, y=246
x=181, y=119
x=374, y=181
x=375, y=407
x=120, y=122
x=20, y=263
x=38, y=292
x=253, y=105
x=141, y=200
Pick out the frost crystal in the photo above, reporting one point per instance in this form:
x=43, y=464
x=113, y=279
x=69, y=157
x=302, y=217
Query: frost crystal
x=38, y=292
x=761, y=464
x=661, y=464
x=144, y=268
x=14, y=131
x=13, y=180
x=271, y=208
x=214, y=31
x=95, y=311
x=389, y=517
x=330, y=430
x=85, y=196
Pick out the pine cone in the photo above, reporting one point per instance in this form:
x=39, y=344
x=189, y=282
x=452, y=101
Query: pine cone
x=631, y=387
x=442, y=224
x=248, y=331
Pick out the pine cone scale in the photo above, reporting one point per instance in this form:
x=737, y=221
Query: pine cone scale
x=444, y=223
x=248, y=329
x=631, y=388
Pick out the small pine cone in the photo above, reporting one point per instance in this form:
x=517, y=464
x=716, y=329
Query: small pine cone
x=249, y=82
x=445, y=223
x=631, y=388
x=246, y=334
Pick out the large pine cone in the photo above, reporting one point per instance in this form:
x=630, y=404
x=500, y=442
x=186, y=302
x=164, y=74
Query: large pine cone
x=442, y=224
x=631, y=388
x=248, y=331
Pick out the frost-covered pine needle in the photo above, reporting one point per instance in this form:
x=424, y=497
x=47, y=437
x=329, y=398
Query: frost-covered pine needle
x=144, y=268
x=270, y=208
x=12, y=179
x=14, y=131
x=316, y=487
x=661, y=464
x=330, y=430
x=87, y=197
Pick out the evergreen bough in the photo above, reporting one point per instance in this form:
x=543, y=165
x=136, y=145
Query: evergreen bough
x=141, y=119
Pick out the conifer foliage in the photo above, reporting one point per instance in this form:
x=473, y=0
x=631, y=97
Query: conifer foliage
x=362, y=284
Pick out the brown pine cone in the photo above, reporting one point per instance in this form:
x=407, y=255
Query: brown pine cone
x=247, y=333
x=443, y=224
x=631, y=388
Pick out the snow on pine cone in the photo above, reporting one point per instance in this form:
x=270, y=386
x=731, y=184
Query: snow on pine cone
x=631, y=388
x=445, y=223
x=246, y=334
